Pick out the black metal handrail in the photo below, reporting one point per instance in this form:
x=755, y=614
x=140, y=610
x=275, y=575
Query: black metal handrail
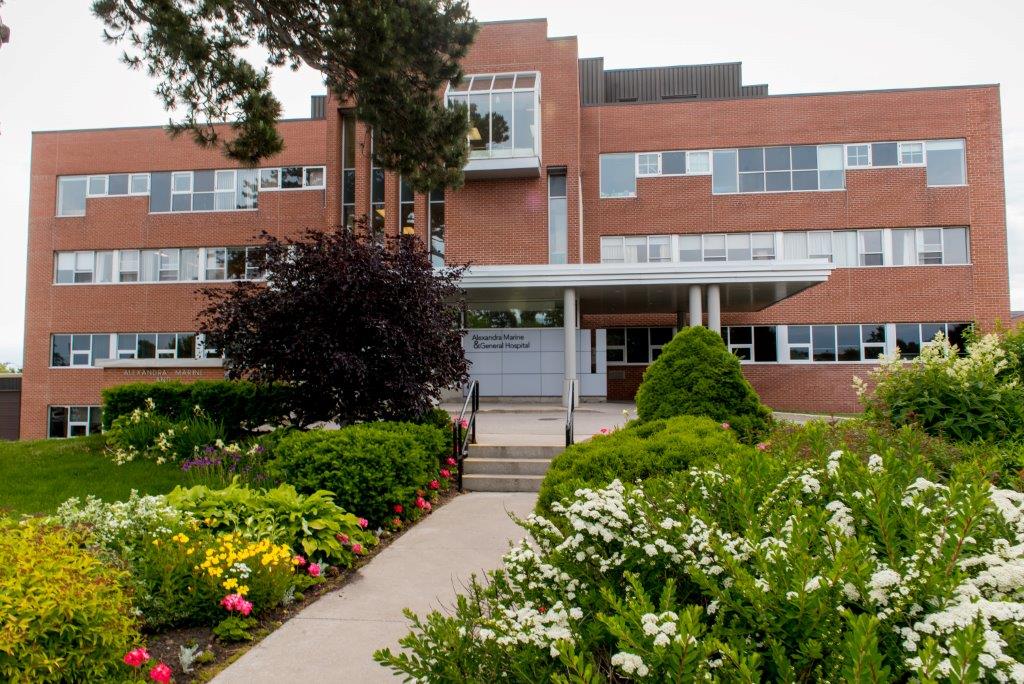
x=570, y=414
x=464, y=429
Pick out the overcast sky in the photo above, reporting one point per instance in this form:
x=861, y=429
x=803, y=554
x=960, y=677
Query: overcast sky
x=56, y=73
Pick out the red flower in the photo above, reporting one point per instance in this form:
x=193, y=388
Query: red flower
x=398, y=508
x=299, y=560
x=357, y=549
x=136, y=657
x=445, y=473
x=364, y=523
x=343, y=538
x=397, y=522
x=421, y=502
x=451, y=460
x=426, y=506
x=314, y=568
x=160, y=673
x=434, y=484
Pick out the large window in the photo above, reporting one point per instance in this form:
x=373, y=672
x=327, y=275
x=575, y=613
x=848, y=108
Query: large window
x=752, y=343
x=348, y=169
x=435, y=226
x=503, y=113
x=406, y=208
x=171, y=264
x=834, y=343
x=378, y=210
x=85, y=350
x=558, y=218
x=779, y=169
x=618, y=175
x=945, y=162
x=929, y=246
x=74, y=421
x=911, y=336
x=636, y=345
x=538, y=314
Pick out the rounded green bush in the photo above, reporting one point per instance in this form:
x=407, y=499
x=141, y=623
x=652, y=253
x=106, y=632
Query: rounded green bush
x=369, y=467
x=66, y=615
x=697, y=375
x=636, y=452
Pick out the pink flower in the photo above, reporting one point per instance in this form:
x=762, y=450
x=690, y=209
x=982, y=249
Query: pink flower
x=314, y=569
x=364, y=523
x=434, y=484
x=464, y=423
x=299, y=560
x=421, y=502
x=160, y=673
x=136, y=657
x=445, y=473
x=451, y=460
x=426, y=506
x=762, y=446
x=343, y=538
x=725, y=426
x=235, y=602
x=397, y=522
x=357, y=548
x=604, y=431
x=398, y=508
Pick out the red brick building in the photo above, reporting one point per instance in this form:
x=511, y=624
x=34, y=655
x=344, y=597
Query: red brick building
x=602, y=211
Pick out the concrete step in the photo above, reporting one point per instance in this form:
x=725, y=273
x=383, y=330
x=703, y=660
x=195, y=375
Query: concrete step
x=520, y=452
x=506, y=466
x=502, y=483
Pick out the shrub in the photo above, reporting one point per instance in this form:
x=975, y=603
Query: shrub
x=311, y=525
x=636, y=452
x=841, y=566
x=148, y=434
x=369, y=467
x=239, y=405
x=697, y=375
x=66, y=615
x=220, y=466
x=122, y=527
x=971, y=397
x=437, y=417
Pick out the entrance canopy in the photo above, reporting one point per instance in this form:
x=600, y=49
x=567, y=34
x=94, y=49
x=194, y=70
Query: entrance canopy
x=645, y=288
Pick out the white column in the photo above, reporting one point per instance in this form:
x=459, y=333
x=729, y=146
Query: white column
x=696, y=314
x=569, y=316
x=715, y=308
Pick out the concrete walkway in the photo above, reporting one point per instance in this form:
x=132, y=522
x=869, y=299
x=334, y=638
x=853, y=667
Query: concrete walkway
x=541, y=423
x=333, y=639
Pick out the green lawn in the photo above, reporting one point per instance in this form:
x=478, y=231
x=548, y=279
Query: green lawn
x=36, y=477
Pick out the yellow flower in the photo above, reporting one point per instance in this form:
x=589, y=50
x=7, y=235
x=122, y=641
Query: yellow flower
x=243, y=590
x=156, y=542
x=230, y=583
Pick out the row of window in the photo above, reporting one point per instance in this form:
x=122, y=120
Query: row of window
x=503, y=113
x=85, y=350
x=74, y=421
x=159, y=265
x=844, y=248
x=852, y=343
x=792, y=168
x=188, y=191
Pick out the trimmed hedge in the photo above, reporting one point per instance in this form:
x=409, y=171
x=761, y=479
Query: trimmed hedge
x=238, y=404
x=697, y=375
x=369, y=467
x=636, y=452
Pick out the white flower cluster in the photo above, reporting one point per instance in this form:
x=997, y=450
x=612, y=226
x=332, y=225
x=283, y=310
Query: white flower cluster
x=660, y=626
x=630, y=664
x=115, y=525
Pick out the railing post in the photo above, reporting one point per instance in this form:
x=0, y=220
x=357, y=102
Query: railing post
x=476, y=407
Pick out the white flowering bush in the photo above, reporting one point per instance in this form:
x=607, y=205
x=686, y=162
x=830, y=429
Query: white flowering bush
x=835, y=566
x=977, y=395
x=146, y=433
x=122, y=526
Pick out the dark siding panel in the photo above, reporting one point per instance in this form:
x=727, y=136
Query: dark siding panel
x=592, y=81
x=10, y=406
x=316, y=106
x=657, y=84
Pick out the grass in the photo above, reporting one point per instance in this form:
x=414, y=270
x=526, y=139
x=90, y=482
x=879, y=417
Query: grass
x=37, y=476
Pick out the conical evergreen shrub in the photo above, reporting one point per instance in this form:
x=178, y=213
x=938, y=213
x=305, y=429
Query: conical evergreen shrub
x=697, y=375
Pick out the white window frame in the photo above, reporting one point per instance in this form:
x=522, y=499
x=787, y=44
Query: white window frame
x=748, y=346
x=808, y=345
x=693, y=153
x=908, y=143
x=941, y=140
x=69, y=423
x=60, y=194
x=866, y=165
x=131, y=184
x=88, y=185
x=535, y=89
x=864, y=346
x=763, y=172
x=861, y=252
x=647, y=157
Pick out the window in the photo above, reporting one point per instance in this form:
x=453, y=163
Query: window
x=128, y=270
x=659, y=248
x=436, y=226
x=378, y=212
x=698, y=163
x=715, y=248
x=117, y=184
x=824, y=342
x=885, y=154
x=406, y=208
x=858, y=156
x=911, y=154
x=168, y=264
x=910, y=337
x=78, y=351
x=871, y=252
x=635, y=250
x=75, y=267
x=618, y=175
x=314, y=177
x=195, y=191
x=611, y=250
x=738, y=247
x=762, y=246
x=558, y=218
x=872, y=341
x=348, y=169
x=673, y=163
x=74, y=421
x=104, y=267
x=636, y=345
x=291, y=178
x=779, y=169
x=140, y=184
x=752, y=343
x=270, y=179
x=502, y=111
x=97, y=186
x=799, y=344
x=925, y=246
x=648, y=164
x=690, y=248
x=945, y=162
x=71, y=196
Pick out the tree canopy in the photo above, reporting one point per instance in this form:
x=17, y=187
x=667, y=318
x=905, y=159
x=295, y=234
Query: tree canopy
x=362, y=330
x=391, y=59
